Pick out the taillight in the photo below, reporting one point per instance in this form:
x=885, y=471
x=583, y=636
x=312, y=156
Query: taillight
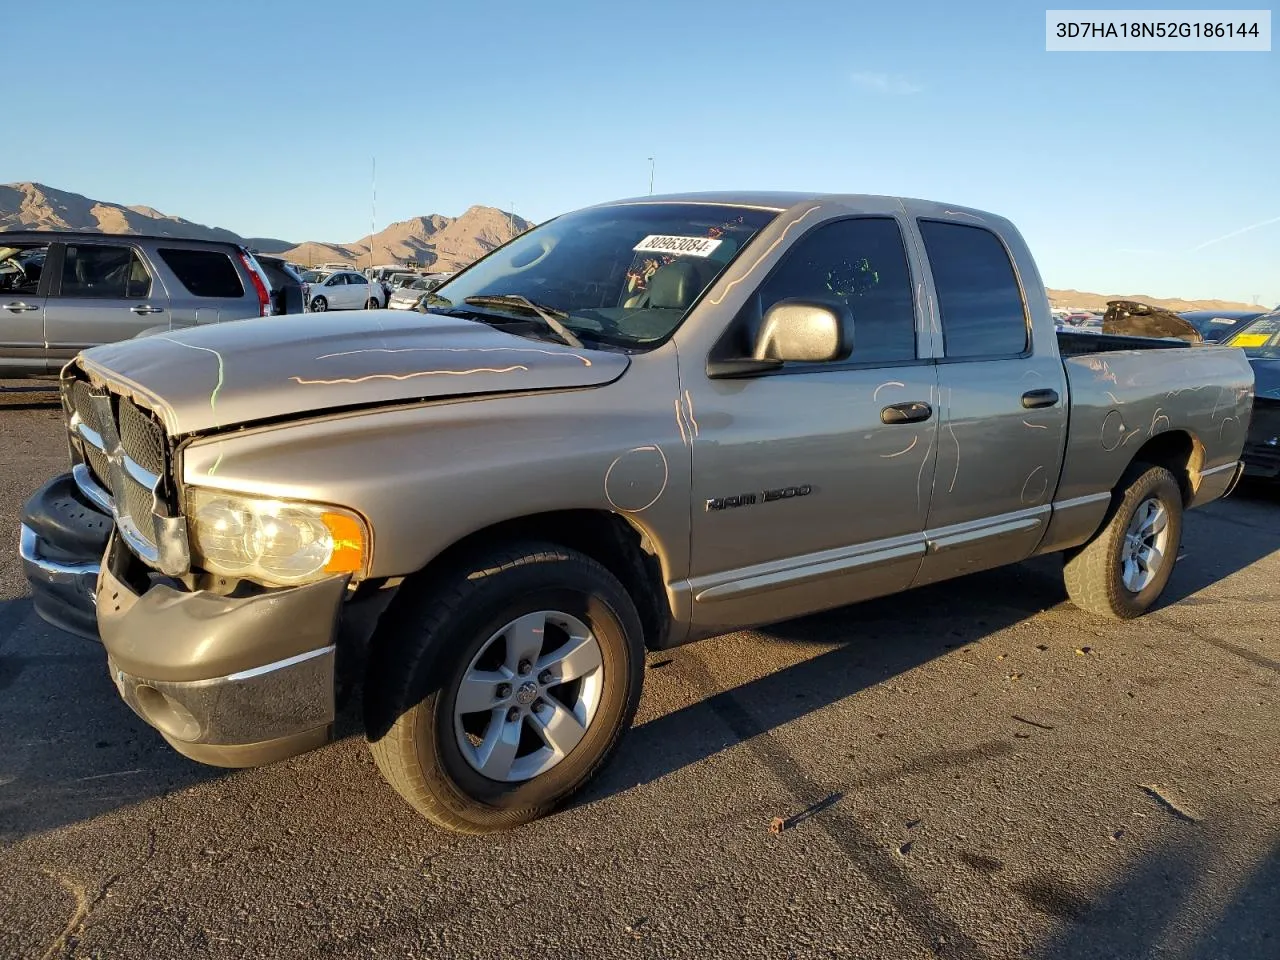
x=264, y=298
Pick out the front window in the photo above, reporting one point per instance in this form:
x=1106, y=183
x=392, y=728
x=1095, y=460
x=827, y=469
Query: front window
x=1259, y=339
x=624, y=275
x=21, y=266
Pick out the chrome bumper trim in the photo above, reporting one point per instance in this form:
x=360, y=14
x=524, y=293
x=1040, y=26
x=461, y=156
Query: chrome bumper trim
x=281, y=664
x=271, y=702
x=90, y=488
x=29, y=550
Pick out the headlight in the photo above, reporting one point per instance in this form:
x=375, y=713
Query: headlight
x=275, y=542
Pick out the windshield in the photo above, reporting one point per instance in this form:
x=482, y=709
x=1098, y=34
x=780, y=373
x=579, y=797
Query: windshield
x=1260, y=338
x=624, y=274
x=314, y=276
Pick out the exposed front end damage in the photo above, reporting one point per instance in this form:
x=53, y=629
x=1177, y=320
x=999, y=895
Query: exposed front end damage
x=229, y=671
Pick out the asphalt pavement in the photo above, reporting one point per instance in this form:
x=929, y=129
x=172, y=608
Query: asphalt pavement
x=971, y=770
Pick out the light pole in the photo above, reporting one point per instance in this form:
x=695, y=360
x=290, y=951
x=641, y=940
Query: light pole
x=651, y=176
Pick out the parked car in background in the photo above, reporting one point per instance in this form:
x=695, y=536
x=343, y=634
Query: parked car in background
x=385, y=271
x=633, y=426
x=1216, y=325
x=345, y=290
x=410, y=295
x=1259, y=338
x=288, y=292
x=64, y=291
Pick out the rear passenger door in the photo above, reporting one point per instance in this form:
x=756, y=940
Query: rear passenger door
x=208, y=288
x=1002, y=407
x=103, y=293
x=359, y=289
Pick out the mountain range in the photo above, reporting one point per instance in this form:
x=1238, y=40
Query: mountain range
x=436, y=242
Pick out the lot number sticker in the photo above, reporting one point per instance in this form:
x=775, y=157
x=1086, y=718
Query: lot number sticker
x=680, y=246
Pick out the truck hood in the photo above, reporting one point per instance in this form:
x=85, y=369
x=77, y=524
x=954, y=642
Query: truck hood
x=229, y=374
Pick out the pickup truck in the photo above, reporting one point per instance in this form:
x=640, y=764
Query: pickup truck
x=639, y=424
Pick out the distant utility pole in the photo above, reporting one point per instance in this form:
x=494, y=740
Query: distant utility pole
x=373, y=208
x=1256, y=297
x=511, y=218
x=651, y=176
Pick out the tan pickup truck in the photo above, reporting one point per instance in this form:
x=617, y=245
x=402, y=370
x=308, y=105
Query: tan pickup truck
x=638, y=424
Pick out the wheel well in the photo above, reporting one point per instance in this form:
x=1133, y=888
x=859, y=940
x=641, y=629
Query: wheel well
x=1180, y=454
x=607, y=538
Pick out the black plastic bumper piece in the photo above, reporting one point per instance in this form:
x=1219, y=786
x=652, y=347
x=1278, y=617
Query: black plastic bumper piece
x=63, y=538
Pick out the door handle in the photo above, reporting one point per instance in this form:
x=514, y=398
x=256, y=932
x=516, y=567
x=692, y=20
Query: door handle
x=913, y=411
x=1033, y=399
x=143, y=309
x=19, y=306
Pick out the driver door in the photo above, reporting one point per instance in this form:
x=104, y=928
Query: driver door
x=24, y=286
x=807, y=494
x=335, y=291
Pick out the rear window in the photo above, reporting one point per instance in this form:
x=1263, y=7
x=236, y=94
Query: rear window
x=205, y=273
x=978, y=293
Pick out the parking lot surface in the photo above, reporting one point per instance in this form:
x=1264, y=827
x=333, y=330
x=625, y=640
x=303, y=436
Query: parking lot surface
x=972, y=770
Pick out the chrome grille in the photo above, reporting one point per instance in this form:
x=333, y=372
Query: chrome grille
x=141, y=438
x=98, y=464
x=81, y=402
x=138, y=502
x=124, y=471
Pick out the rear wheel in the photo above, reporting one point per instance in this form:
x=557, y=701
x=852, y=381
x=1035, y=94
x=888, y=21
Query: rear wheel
x=319, y=305
x=499, y=693
x=1123, y=570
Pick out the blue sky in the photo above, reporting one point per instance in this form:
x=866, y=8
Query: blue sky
x=1123, y=170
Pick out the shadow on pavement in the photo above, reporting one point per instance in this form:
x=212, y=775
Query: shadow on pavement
x=1168, y=906
x=1223, y=538
x=70, y=750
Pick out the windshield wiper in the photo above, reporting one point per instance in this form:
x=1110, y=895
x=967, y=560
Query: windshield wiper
x=548, y=315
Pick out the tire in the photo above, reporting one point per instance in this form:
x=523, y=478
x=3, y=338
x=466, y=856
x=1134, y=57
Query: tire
x=1098, y=576
x=319, y=305
x=428, y=747
x=372, y=304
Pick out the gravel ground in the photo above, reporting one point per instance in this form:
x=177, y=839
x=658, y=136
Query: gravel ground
x=974, y=770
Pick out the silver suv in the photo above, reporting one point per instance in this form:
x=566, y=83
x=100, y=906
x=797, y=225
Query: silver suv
x=62, y=292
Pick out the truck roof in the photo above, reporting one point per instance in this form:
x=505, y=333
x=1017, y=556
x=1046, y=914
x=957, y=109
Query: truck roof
x=776, y=199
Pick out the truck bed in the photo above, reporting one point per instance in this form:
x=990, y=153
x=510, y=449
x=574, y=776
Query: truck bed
x=1127, y=391
x=1073, y=344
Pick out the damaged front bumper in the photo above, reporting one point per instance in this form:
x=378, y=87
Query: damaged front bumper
x=238, y=676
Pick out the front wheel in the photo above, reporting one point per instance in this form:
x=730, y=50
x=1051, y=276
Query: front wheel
x=1123, y=570
x=319, y=305
x=372, y=304
x=495, y=696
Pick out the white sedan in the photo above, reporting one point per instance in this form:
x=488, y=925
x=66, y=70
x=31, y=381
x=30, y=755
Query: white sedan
x=344, y=290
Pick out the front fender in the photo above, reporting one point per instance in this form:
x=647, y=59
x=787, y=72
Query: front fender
x=425, y=475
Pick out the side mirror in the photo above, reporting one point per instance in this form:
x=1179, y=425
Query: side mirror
x=799, y=331
x=803, y=331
